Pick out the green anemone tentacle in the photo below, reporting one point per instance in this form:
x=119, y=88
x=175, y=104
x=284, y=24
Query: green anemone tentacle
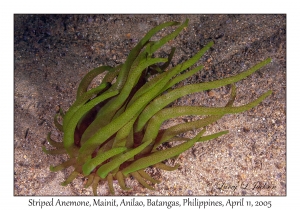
x=167, y=113
x=70, y=127
x=159, y=156
x=91, y=164
x=140, y=179
x=164, y=100
x=85, y=82
x=116, y=162
x=166, y=167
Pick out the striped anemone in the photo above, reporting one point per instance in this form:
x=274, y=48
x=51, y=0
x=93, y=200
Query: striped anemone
x=113, y=131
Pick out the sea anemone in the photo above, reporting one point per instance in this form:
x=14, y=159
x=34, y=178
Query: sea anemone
x=113, y=131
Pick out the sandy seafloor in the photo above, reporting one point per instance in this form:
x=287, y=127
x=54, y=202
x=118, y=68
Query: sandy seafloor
x=53, y=52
